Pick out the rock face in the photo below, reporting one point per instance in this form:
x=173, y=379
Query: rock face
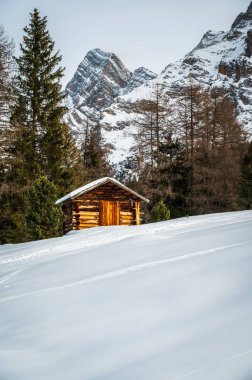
x=99, y=79
x=242, y=18
x=137, y=78
x=102, y=83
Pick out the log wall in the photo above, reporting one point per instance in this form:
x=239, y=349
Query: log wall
x=105, y=205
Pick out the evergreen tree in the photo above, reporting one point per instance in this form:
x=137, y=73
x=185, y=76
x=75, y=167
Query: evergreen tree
x=12, y=216
x=94, y=153
x=42, y=139
x=43, y=218
x=6, y=98
x=246, y=180
x=6, y=93
x=40, y=143
x=168, y=181
x=8, y=218
x=159, y=212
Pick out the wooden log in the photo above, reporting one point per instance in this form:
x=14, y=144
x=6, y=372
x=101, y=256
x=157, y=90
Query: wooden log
x=90, y=204
x=89, y=212
x=91, y=216
x=84, y=215
x=127, y=218
x=89, y=209
x=91, y=221
x=126, y=213
x=87, y=203
x=81, y=226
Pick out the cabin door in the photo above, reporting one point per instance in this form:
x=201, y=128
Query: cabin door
x=109, y=213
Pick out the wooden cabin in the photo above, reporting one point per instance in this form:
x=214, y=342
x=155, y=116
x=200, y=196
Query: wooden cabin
x=104, y=202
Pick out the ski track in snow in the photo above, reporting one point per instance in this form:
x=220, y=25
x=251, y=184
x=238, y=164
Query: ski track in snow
x=225, y=331
x=222, y=362
x=125, y=271
x=175, y=229
x=9, y=276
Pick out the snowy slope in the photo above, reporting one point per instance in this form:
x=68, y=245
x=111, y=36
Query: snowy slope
x=169, y=300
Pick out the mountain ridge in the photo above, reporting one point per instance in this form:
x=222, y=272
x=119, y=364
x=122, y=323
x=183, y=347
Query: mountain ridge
x=221, y=59
x=100, y=78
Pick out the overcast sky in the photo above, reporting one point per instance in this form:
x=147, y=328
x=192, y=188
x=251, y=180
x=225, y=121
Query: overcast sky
x=150, y=33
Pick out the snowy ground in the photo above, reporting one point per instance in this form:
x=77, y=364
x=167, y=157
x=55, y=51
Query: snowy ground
x=170, y=300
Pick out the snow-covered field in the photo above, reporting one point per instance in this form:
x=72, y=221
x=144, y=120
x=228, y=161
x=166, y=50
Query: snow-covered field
x=170, y=300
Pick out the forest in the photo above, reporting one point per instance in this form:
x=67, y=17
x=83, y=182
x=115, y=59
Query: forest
x=191, y=155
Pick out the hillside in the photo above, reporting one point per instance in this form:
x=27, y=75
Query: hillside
x=221, y=59
x=169, y=300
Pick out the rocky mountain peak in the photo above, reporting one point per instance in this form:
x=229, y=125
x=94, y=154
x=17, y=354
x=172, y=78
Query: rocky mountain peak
x=138, y=77
x=243, y=17
x=98, y=80
x=103, y=87
x=249, y=10
x=144, y=72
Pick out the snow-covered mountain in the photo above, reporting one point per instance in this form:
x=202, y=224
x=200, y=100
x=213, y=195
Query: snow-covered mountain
x=99, y=79
x=169, y=300
x=221, y=59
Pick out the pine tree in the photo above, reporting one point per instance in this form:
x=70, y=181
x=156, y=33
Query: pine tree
x=94, y=153
x=43, y=218
x=41, y=143
x=168, y=181
x=6, y=98
x=159, y=212
x=6, y=93
x=7, y=218
x=246, y=180
x=42, y=140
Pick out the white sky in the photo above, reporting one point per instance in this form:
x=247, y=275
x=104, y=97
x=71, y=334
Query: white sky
x=150, y=33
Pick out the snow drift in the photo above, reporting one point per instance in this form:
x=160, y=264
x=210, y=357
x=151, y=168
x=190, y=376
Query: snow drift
x=169, y=300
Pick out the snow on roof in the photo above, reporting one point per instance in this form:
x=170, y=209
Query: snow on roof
x=92, y=185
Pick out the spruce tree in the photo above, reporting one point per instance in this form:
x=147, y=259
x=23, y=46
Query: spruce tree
x=43, y=218
x=94, y=153
x=159, y=212
x=6, y=92
x=246, y=180
x=42, y=137
x=8, y=217
x=41, y=143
